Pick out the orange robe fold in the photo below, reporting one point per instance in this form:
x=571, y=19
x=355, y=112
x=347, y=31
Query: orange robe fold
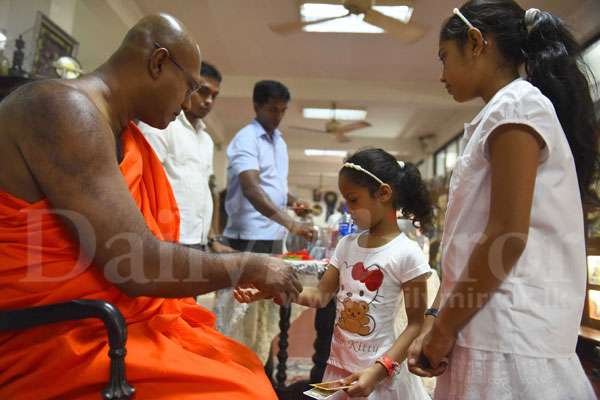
x=173, y=350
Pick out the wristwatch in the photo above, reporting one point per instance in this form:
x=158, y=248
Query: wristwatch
x=432, y=311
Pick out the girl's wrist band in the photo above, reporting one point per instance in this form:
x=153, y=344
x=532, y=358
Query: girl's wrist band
x=390, y=365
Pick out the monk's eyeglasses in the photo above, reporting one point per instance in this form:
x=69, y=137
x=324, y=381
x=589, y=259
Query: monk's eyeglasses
x=193, y=85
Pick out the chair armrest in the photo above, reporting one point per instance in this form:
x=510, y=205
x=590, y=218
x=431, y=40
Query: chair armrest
x=118, y=388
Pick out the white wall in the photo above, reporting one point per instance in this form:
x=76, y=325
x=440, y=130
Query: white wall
x=4, y=14
x=62, y=12
x=99, y=32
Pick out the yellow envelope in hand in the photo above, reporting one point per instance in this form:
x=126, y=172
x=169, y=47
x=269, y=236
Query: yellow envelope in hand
x=319, y=394
x=331, y=386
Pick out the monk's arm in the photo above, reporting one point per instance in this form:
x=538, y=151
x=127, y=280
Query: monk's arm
x=70, y=149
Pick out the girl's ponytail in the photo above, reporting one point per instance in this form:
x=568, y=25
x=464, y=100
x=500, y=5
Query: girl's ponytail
x=552, y=60
x=553, y=64
x=412, y=196
x=410, y=193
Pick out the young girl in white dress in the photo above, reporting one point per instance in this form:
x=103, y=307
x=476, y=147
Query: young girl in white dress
x=513, y=251
x=368, y=273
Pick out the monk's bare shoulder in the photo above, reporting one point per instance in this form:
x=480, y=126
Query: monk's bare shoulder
x=57, y=130
x=38, y=108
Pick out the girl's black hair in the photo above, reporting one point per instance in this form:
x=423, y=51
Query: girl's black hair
x=552, y=60
x=409, y=191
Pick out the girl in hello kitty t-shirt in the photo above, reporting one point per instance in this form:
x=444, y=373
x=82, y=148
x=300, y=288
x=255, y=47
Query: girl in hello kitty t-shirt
x=368, y=273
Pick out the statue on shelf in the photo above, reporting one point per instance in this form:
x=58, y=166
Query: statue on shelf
x=18, y=57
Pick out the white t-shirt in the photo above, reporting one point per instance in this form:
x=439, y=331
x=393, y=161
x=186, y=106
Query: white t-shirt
x=370, y=284
x=186, y=153
x=537, y=309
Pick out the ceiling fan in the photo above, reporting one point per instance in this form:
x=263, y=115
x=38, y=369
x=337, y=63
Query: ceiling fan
x=333, y=126
x=408, y=33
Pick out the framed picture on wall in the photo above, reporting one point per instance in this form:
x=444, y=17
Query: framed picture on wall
x=50, y=43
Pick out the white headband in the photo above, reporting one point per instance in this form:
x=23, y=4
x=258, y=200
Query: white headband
x=460, y=15
x=530, y=17
x=361, y=169
x=402, y=164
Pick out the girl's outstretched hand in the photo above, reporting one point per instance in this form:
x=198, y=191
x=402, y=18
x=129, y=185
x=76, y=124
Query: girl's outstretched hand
x=250, y=294
x=364, y=382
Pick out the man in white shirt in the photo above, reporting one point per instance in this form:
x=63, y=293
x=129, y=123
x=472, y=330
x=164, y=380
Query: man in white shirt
x=185, y=150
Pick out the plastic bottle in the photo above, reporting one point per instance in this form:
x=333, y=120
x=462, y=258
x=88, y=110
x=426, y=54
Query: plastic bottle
x=345, y=225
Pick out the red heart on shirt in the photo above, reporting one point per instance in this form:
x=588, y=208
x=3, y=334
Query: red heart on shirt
x=359, y=272
x=374, y=280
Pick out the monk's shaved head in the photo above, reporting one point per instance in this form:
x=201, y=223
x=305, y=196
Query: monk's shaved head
x=158, y=68
x=164, y=29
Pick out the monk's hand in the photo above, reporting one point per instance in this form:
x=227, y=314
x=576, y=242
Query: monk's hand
x=277, y=278
x=365, y=381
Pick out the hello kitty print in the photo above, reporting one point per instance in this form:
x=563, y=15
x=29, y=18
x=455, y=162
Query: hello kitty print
x=366, y=303
x=355, y=316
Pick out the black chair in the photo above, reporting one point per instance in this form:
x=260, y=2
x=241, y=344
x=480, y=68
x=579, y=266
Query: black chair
x=118, y=388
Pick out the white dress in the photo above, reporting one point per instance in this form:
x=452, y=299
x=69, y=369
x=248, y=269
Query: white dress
x=370, y=285
x=521, y=344
x=478, y=375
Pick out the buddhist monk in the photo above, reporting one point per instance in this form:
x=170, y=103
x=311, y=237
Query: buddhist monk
x=87, y=212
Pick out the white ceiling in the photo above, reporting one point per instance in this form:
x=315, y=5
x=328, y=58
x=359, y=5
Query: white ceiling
x=398, y=84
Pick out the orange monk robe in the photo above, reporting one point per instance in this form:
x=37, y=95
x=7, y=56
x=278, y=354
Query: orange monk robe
x=173, y=350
